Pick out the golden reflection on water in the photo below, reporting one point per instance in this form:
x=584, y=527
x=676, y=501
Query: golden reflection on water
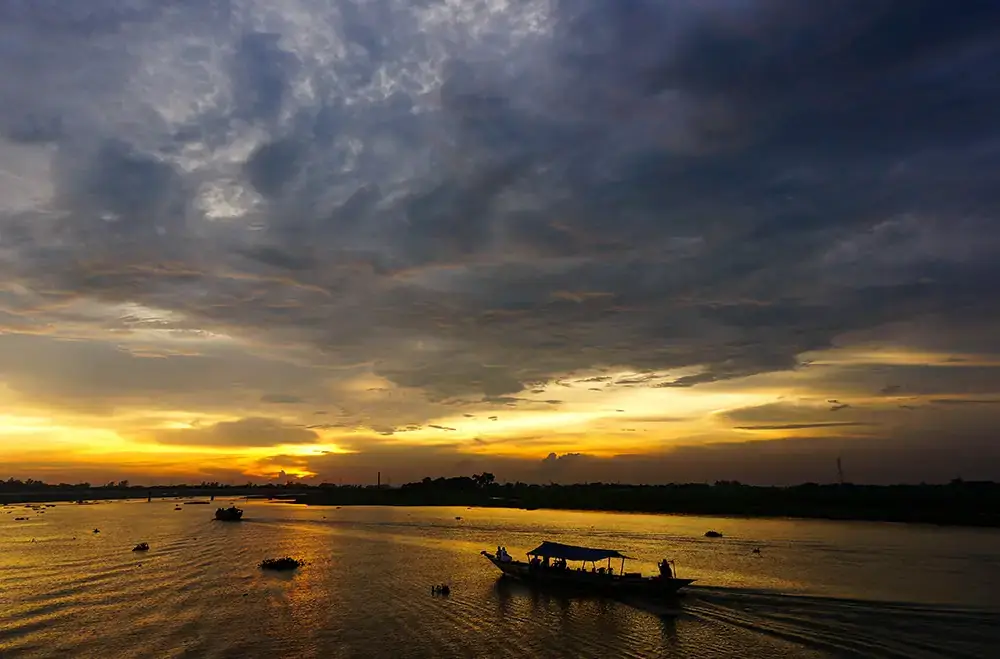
x=365, y=590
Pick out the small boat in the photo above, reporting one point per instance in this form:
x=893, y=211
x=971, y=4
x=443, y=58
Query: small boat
x=712, y=534
x=230, y=514
x=142, y=546
x=548, y=567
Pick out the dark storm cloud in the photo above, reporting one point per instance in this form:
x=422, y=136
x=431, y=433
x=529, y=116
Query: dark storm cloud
x=480, y=200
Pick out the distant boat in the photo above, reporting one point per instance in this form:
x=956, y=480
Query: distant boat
x=196, y=503
x=230, y=514
x=712, y=534
x=548, y=567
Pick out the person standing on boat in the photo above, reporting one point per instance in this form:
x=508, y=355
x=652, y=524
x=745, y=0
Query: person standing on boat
x=665, y=572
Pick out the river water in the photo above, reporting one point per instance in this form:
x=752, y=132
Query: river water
x=817, y=588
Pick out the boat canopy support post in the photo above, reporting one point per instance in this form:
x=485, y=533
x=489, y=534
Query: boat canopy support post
x=622, y=573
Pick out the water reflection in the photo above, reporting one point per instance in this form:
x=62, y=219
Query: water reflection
x=668, y=632
x=365, y=588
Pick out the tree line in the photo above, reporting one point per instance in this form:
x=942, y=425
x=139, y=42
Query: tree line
x=975, y=503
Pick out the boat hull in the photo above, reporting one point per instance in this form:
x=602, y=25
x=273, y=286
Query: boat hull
x=229, y=514
x=590, y=582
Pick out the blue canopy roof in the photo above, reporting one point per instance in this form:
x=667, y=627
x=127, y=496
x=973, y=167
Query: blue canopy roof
x=573, y=553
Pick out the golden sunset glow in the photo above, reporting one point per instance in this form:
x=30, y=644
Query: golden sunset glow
x=603, y=413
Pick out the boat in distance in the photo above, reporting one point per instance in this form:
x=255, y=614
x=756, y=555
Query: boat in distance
x=230, y=514
x=547, y=566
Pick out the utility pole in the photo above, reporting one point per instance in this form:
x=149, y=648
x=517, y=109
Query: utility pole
x=378, y=479
x=840, y=471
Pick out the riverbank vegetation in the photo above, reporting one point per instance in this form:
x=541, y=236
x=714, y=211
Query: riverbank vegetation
x=956, y=503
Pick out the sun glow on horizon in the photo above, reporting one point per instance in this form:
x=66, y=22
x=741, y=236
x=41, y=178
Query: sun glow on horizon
x=606, y=415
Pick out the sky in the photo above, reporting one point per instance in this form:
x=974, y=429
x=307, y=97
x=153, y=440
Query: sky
x=561, y=241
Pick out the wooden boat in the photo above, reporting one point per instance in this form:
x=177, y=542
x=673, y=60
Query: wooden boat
x=230, y=514
x=548, y=567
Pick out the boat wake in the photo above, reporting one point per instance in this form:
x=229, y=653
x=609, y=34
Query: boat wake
x=851, y=628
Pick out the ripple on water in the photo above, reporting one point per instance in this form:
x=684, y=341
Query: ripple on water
x=365, y=590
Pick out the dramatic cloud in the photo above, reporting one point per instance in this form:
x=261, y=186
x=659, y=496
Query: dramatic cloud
x=245, y=432
x=397, y=209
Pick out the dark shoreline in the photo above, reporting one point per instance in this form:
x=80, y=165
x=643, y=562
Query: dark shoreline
x=944, y=523
x=733, y=515
x=972, y=504
x=959, y=503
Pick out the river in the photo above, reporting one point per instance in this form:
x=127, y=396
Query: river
x=816, y=589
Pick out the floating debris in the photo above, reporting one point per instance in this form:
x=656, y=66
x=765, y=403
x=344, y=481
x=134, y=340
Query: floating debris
x=284, y=563
x=21, y=519
x=458, y=518
x=440, y=589
x=97, y=530
x=142, y=546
